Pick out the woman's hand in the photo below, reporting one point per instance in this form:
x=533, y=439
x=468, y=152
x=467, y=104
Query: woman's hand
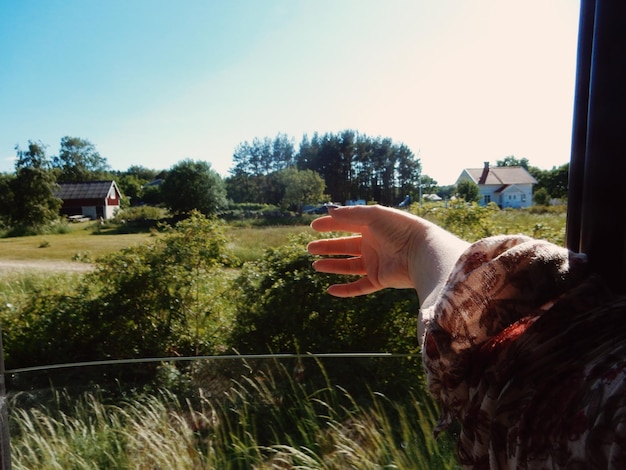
x=393, y=249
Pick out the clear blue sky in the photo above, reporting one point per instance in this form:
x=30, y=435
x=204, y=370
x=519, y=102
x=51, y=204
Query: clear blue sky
x=150, y=82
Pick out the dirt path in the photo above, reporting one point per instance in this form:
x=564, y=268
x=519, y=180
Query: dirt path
x=44, y=265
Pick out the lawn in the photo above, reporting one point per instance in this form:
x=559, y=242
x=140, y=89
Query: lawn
x=80, y=242
x=83, y=243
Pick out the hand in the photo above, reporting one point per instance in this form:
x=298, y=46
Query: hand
x=393, y=249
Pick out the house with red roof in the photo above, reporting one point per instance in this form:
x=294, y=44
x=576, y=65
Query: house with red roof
x=507, y=186
x=92, y=199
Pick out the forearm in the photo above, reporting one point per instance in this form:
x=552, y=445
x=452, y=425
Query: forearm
x=435, y=253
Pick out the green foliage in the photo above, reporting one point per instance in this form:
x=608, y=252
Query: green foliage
x=282, y=306
x=301, y=187
x=541, y=197
x=468, y=191
x=78, y=160
x=468, y=221
x=141, y=215
x=554, y=181
x=512, y=160
x=34, y=204
x=352, y=165
x=356, y=166
x=193, y=185
x=148, y=300
x=6, y=199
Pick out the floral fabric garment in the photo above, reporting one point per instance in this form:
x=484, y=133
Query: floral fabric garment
x=529, y=354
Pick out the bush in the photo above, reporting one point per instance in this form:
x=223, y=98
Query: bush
x=158, y=299
x=282, y=307
x=468, y=221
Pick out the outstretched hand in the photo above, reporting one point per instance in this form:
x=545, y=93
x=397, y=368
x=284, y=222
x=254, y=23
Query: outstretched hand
x=392, y=249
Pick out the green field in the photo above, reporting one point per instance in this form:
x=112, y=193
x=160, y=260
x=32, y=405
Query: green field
x=83, y=242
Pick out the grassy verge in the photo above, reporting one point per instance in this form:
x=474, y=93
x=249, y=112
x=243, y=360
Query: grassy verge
x=253, y=424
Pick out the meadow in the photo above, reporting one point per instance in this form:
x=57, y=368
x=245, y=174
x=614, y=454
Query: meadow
x=255, y=416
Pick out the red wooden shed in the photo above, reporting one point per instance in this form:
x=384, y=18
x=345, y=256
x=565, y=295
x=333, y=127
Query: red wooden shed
x=93, y=199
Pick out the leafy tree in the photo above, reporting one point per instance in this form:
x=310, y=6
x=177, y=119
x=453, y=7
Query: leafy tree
x=130, y=186
x=78, y=160
x=446, y=192
x=34, y=202
x=142, y=173
x=355, y=166
x=6, y=198
x=193, y=185
x=301, y=187
x=255, y=162
x=541, y=197
x=511, y=160
x=554, y=181
x=468, y=190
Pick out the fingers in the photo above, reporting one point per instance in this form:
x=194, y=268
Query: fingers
x=361, y=287
x=347, y=219
x=353, y=266
x=336, y=246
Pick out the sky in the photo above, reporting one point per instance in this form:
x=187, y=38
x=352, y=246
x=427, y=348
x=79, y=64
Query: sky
x=152, y=82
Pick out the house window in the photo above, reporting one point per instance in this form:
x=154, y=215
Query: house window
x=523, y=197
x=487, y=198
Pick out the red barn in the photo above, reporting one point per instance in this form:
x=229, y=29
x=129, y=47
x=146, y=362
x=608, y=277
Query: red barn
x=93, y=199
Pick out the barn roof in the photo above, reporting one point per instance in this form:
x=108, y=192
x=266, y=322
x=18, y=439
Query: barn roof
x=85, y=190
x=501, y=175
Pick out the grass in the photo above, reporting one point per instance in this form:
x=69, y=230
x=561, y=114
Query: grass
x=252, y=425
x=79, y=242
x=548, y=225
x=249, y=243
x=83, y=243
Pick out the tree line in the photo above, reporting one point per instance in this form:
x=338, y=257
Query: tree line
x=326, y=167
x=352, y=165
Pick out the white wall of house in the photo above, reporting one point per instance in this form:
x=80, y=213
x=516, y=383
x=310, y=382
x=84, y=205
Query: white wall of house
x=110, y=211
x=515, y=196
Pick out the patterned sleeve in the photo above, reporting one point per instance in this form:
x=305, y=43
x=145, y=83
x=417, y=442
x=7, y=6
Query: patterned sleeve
x=504, y=346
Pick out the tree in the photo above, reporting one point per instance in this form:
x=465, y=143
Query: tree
x=554, y=181
x=6, y=198
x=255, y=162
x=511, y=160
x=541, y=197
x=355, y=166
x=78, y=160
x=193, y=185
x=468, y=190
x=33, y=187
x=301, y=187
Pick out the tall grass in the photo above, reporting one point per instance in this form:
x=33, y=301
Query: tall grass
x=16, y=287
x=262, y=421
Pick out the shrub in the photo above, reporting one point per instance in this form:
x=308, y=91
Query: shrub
x=282, y=307
x=468, y=221
x=149, y=300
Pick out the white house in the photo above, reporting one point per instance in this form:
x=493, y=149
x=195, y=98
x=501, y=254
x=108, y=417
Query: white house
x=507, y=186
